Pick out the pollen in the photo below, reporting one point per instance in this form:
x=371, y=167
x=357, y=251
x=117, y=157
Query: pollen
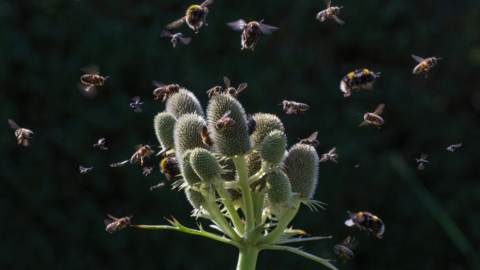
x=350, y=75
x=375, y=218
x=360, y=214
x=366, y=71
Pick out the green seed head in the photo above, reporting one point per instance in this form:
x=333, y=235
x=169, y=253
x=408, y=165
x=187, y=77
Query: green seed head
x=279, y=190
x=301, y=167
x=232, y=140
x=186, y=134
x=195, y=198
x=188, y=172
x=164, y=124
x=266, y=123
x=273, y=147
x=182, y=103
x=205, y=164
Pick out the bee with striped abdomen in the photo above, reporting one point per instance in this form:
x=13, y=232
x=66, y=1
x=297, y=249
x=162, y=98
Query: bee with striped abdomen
x=207, y=140
x=230, y=90
x=425, y=64
x=330, y=12
x=116, y=224
x=225, y=122
x=101, y=144
x=165, y=90
x=422, y=160
x=119, y=164
x=169, y=166
x=176, y=37
x=251, y=32
x=312, y=140
x=84, y=170
x=453, y=147
x=90, y=80
x=214, y=91
x=141, y=152
x=373, y=118
x=368, y=222
x=22, y=134
x=294, y=107
x=363, y=78
x=330, y=156
x=195, y=17
x=344, y=251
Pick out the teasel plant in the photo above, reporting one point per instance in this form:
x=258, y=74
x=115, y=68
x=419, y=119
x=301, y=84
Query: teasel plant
x=252, y=173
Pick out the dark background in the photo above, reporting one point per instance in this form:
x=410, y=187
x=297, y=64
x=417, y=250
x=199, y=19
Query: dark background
x=52, y=217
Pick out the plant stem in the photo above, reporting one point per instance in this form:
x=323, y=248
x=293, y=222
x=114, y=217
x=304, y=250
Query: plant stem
x=282, y=225
x=258, y=198
x=260, y=173
x=241, y=167
x=237, y=222
x=299, y=252
x=247, y=259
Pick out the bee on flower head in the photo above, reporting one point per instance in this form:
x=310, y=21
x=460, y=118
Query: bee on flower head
x=294, y=107
x=312, y=140
x=363, y=78
x=170, y=167
x=165, y=90
x=368, y=222
x=207, y=140
x=214, y=91
x=116, y=224
x=231, y=90
x=90, y=80
x=251, y=124
x=373, y=118
x=330, y=12
x=176, y=37
x=425, y=64
x=195, y=17
x=344, y=251
x=251, y=32
x=22, y=134
x=225, y=122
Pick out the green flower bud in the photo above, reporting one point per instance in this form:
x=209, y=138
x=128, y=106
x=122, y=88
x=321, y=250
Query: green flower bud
x=232, y=140
x=301, y=167
x=164, y=124
x=205, y=164
x=266, y=123
x=279, y=190
x=186, y=134
x=182, y=103
x=188, y=172
x=273, y=147
x=195, y=198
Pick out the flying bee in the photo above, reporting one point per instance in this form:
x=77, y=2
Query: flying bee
x=251, y=124
x=119, y=164
x=158, y=186
x=116, y=224
x=136, y=104
x=195, y=17
x=141, y=152
x=343, y=250
x=169, y=166
x=294, y=107
x=207, y=140
x=425, y=64
x=84, y=170
x=312, y=140
x=230, y=90
x=225, y=122
x=165, y=90
x=214, y=91
x=251, y=32
x=368, y=222
x=422, y=160
x=373, y=118
x=330, y=156
x=147, y=171
x=22, y=134
x=176, y=37
x=453, y=147
x=90, y=80
x=101, y=144
x=363, y=78
x=330, y=12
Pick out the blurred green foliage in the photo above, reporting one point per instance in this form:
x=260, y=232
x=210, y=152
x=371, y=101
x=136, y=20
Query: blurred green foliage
x=52, y=217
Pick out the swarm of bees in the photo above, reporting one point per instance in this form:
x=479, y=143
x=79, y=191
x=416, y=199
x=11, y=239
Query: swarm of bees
x=225, y=122
x=330, y=12
x=195, y=17
x=22, y=134
x=116, y=224
x=176, y=37
x=294, y=107
x=251, y=32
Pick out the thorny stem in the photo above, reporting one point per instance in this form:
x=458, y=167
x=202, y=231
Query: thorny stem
x=237, y=222
x=260, y=173
x=282, y=225
x=241, y=167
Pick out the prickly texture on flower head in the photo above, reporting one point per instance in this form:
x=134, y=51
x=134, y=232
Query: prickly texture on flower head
x=205, y=164
x=278, y=187
x=164, y=124
x=233, y=140
x=195, y=198
x=182, y=103
x=273, y=147
x=301, y=167
x=266, y=123
x=186, y=134
x=188, y=172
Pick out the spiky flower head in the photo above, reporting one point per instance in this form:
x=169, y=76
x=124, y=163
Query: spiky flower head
x=205, y=164
x=232, y=140
x=301, y=167
x=182, y=103
x=279, y=193
x=164, y=124
x=188, y=172
x=186, y=134
x=195, y=198
x=273, y=147
x=266, y=123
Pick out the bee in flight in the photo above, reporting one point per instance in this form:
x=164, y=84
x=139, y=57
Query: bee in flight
x=90, y=80
x=453, y=147
x=147, y=170
x=343, y=250
x=141, y=153
x=207, y=140
x=176, y=37
x=195, y=17
x=312, y=140
x=294, y=107
x=425, y=64
x=368, y=222
x=136, y=104
x=422, y=160
x=225, y=122
x=158, y=186
x=169, y=166
x=363, y=78
x=101, y=144
x=330, y=156
x=251, y=124
x=373, y=118
x=22, y=134
x=330, y=12
x=84, y=170
x=165, y=90
x=214, y=91
x=116, y=224
x=251, y=32
x=230, y=90
x=119, y=164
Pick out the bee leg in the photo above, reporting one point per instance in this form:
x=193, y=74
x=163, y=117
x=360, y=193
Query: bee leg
x=196, y=30
x=242, y=48
x=378, y=127
x=205, y=22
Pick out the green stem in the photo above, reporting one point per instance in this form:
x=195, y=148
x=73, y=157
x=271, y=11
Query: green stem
x=260, y=173
x=241, y=167
x=299, y=252
x=282, y=225
x=237, y=222
x=247, y=259
x=258, y=198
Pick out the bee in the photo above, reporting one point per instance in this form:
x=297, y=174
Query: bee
x=116, y=224
x=312, y=140
x=330, y=12
x=214, y=91
x=425, y=64
x=251, y=124
x=251, y=32
x=294, y=107
x=230, y=90
x=453, y=147
x=165, y=90
x=147, y=171
x=84, y=170
x=176, y=37
x=91, y=79
x=224, y=122
x=22, y=134
x=207, y=140
x=169, y=166
x=136, y=104
x=119, y=164
x=343, y=251
x=422, y=160
x=195, y=17
x=363, y=78
x=141, y=152
x=101, y=144
x=330, y=156
x=373, y=118
x=158, y=186
x=367, y=222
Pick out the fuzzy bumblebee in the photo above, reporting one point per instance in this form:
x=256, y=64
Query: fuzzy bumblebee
x=358, y=79
x=368, y=222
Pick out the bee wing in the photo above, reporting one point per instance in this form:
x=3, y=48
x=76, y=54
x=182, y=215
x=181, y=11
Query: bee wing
x=25, y=142
x=423, y=156
x=420, y=167
x=138, y=110
x=103, y=148
x=227, y=81
x=267, y=29
x=100, y=141
x=151, y=152
x=108, y=221
x=324, y=158
x=176, y=23
x=291, y=110
x=124, y=162
x=138, y=146
x=136, y=99
x=186, y=40
x=241, y=87
x=367, y=86
x=81, y=167
x=346, y=241
x=13, y=125
x=91, y=69
x=338, y=20
x=457, y=145
x=364, y=123
x=327, y=2
x=313, y=136
x=238, y=25
x=146, y=169
x=206, y=3
x=158, y=84
x=332, y=151
x=112, y=217
x=165, y=33
x=418, y=59
x=379, y=109
x=87, y=90
x=225, y=115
